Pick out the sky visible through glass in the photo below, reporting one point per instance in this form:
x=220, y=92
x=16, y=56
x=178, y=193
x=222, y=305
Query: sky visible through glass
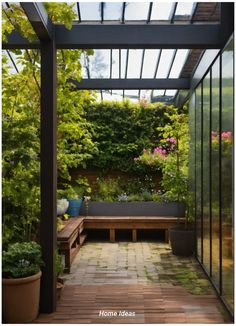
x=133, y=63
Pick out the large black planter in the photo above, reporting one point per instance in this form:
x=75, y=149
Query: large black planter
x=182, y=241
x=134, y=209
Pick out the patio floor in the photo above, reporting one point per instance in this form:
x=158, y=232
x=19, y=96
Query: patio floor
x=143, y=279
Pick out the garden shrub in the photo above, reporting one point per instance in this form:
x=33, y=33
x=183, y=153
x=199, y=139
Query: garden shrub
x=121, y=130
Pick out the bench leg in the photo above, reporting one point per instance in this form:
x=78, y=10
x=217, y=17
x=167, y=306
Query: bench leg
x=134, y=235
x=112, y=235
x=167, y=236
x=67, y=261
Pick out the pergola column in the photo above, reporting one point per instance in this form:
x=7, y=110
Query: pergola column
x=48, y=174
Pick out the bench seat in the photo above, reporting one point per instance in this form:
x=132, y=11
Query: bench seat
x=133, y=223
x=70, y=239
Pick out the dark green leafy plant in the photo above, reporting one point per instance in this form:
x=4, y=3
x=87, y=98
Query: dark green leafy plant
x=59, y=266
x=21, y=260
x=21, y=124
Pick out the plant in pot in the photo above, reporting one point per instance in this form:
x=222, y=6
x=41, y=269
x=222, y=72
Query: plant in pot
x=21, y=282
x=175, y=181
x=59, y=271
x=183, y=237
x=74, y=194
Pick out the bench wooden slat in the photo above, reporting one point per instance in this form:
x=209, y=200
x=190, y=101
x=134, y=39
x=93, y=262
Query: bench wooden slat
x=133, y=223
x=71, y=225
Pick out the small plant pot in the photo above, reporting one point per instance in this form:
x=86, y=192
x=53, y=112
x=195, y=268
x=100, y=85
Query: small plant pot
x=62, y=206
x=74, y=207
x=20, y=299
x=60, y=286
x=182, y=241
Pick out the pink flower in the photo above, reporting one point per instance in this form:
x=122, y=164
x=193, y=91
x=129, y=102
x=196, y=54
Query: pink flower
x=136, y=158
x=214, y=135
x=171, y=140
x=226, y=135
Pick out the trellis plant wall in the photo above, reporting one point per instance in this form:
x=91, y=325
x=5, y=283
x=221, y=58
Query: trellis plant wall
x=211, y=171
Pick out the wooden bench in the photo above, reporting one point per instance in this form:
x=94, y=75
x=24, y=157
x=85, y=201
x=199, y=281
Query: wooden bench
x=133, y=223
x=70, y=239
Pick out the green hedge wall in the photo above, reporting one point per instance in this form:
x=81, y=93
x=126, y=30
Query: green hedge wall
x=122, y=130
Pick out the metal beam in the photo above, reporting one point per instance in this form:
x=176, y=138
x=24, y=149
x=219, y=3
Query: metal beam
x=175, y=83
x=148, y=36
x=227, y=21
x=39, y=20
x=136, y=36
x=16, y=41
x=48, y=189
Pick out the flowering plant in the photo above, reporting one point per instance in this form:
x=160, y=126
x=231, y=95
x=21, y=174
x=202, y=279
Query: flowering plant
x=171, y=156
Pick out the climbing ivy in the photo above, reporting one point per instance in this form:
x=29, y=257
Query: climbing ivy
x=122, y=130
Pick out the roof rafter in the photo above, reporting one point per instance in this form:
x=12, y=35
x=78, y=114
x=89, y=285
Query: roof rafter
x=138, y=36
x=132, y=83
x=39, y=20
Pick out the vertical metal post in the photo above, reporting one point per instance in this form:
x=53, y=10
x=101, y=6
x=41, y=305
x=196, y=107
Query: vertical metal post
x=210, y=172
x=202, y=252
x=220, y=176
x=48, y=175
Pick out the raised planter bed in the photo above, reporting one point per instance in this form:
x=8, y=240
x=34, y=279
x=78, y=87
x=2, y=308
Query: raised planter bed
x=134, y=209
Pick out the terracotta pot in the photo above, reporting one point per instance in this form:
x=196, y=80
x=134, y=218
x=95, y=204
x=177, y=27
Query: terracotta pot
x=60, y=287
x=20, y=299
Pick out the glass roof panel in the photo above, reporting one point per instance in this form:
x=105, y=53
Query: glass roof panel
x=149, y=64
x=123, y=62
x=165, y=62
x=90, y=10
x=115, y=95
x=134, y=65
x=145, y=94
x=161, y=10
x=113, y=10
x=158, y=92
x=75, y=8
x=136, y=10
x=171, y=92
x=184, y=9
x=100, y=64
x=178, y=64
x=115, y=64
x=132, y=94
x=84, y=64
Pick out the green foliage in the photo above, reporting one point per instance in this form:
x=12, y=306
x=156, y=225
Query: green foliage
x=122, y=130
x=21, y=260
x=21, y=125
x=61, y=12
x=108, y=190
x=59, y=266
x=171, y=156
x=122, y=190
x=81, y=189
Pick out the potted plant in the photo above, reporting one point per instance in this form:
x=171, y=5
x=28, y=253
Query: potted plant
x=183, y=237
x=62, y=206
x=21, y=282
x=59, y=271
x=74, y=194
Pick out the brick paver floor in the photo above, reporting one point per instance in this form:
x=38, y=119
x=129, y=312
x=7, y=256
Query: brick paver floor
x=142, y=280
x=136, y=263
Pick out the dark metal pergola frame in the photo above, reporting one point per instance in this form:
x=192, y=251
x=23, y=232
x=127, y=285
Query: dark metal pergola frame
x=98, y=36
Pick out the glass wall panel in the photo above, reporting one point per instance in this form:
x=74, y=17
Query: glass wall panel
x=198, y=167
x=206, y=171
x=215, y=190
x=227, y=173
x=192, y=157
